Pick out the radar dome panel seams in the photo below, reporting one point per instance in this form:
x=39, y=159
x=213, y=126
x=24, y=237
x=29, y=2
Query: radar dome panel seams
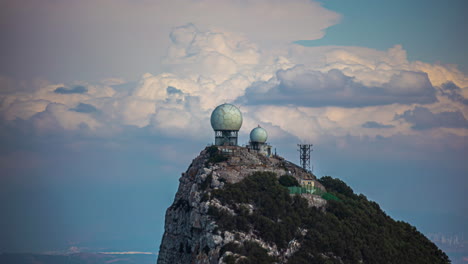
x=259, y=135
x=226, y=117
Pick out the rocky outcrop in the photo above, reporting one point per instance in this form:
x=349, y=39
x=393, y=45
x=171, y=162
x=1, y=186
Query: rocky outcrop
x=191, y=235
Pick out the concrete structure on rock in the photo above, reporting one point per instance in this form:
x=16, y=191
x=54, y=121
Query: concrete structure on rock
x=307, y=183
x=258, y=138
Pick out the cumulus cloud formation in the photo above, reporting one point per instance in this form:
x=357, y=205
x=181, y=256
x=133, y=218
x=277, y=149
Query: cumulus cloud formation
x=173, y=90
x=302, y=92
x=453, y=92
x=422, y=118
x=84, y=108
x=216, y=56
x=57, y=117
x=371, y=66
x=75, y=90
x=305, y=87
x=373, y=124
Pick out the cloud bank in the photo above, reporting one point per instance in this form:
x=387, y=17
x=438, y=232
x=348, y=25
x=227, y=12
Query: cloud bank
x=300, y=86
x=423, y=118
x=342, y=91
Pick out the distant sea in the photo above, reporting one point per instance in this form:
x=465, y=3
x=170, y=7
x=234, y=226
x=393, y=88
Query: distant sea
x=77, y=258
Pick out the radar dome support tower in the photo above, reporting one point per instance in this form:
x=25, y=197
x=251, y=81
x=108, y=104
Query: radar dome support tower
x=258, y=138
x=304, y=155
x=226, y=120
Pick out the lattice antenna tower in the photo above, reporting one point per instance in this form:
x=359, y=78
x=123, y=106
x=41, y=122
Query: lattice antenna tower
x=304, y=155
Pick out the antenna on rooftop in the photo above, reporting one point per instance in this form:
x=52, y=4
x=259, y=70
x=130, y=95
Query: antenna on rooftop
x=304, y=155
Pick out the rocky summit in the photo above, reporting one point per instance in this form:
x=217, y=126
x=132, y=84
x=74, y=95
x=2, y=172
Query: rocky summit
x=235, y=205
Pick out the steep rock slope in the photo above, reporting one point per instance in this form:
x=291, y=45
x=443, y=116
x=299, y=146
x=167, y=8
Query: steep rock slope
x=230, y=208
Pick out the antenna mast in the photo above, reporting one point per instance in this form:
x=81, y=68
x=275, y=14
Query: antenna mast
x=304, y=155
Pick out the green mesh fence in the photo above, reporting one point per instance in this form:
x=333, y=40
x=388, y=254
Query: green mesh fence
x=312, y=190
x=329, y=196
x=308, y=189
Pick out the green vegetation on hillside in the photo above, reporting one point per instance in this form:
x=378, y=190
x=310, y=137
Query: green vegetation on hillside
x=215, y=155
x=256, y=254
x=288, y=181
x=352, y=229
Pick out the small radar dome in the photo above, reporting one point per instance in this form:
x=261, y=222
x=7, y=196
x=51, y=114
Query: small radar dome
x=259, y=135
x=226, y=117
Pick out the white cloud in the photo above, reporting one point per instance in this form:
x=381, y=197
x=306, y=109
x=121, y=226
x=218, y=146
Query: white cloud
x=372, y=66
x=120, y=38
x=57, y=116
x=25, y=109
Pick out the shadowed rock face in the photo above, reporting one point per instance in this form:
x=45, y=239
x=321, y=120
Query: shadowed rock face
x=191, y=236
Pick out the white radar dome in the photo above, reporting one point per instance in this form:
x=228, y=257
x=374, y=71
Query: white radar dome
x=226, y=117
x=258, y=134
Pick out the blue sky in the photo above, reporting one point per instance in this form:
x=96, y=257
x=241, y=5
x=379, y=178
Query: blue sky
x=103, y=106
x=429, y=30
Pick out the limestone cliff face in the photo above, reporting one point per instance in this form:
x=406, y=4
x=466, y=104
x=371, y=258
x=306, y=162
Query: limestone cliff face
x=191, y=235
